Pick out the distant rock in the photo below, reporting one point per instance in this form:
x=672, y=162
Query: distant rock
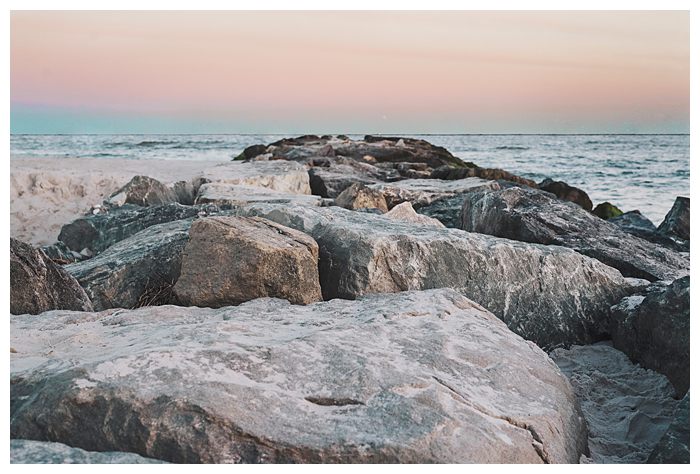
x=138, y=271
x=359, y=196
x=470, y=170
x=674, y=446
x=143, y=191
x=606, y=211
x=566, y=192
x=538, y=217
x=404, y=212
x=653, y=329
x=362, y=253
x=229, y=260
x=37, y=284
x=635, y=223
x=677, y=220
x=418, y=377
x=627, y=408
x=23, y=451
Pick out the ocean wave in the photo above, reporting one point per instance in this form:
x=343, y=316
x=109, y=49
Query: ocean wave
x=512, y=147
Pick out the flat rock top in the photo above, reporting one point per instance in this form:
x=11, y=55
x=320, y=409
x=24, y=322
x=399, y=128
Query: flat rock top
x=409, y=377
x=242, y=194
x=455, y=186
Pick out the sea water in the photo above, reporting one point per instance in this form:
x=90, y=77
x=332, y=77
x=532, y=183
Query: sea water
x=644, y=172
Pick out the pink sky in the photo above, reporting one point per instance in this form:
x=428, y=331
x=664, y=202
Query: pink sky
x=399, y=71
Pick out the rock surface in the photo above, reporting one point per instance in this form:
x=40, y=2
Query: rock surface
x=23, y=451
x=224, y=194
x=330, y=183
x=359, y=196
x=566, y=192
x=550, y=295
x=677, y=221
x=422, y=192
x=627, y=408
x=37, y=284
x=412, y=377
x=143, y=191
x=404, y=212
x=137, y=271
x=674, y=447
x=229, y=260
x=635, y=223
x=473, y=171
x=606, y=211
x=653, y=329
x=534, y=216
x=281, y=176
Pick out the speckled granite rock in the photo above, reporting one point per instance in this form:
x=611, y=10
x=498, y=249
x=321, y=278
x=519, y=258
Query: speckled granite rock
x=23, y=451
x=674, y=446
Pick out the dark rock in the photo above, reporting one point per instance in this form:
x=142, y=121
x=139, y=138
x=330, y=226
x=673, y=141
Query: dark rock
x=185, y=192
x=143, y=191
x=23, y=451
x=606, y=211
x=330, y=183
x=633, y=222
x=674, y=446
x=230, y=260
x=677, y=221
x=359, y=196
x=418, y=377
x=251, y=152
x=473, y=171
x=138, y=271
x=60, y=254
x=37, y=284
x=361, y=253
x=537, y=217
x=653, y=329
x=568, y=193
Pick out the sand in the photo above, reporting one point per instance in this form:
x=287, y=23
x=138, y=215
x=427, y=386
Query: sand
x=46, y=193
x=627, y=408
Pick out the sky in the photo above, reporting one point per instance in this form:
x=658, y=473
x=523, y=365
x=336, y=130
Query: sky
x=349, y=72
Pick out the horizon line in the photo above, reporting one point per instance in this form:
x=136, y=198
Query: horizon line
x=373, y=134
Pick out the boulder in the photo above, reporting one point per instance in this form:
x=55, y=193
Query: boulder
x=418, y=377
x=224, y=194
x=677, y=221
x=282, y=176
x=359, y=196
x=331, y=182
x=653, y=329
x=674, y=446
x=229, y=260
x=627, y=408
x=37, y=284
x=635, y=223
x=143, y=191
x=606, y=211
x=568, y=193
x=537, y=217
x=423, y=192
x=138, y=271
x=550, y=295
x=404, y=212
x=23, y=451
x=473, y=171
x=98, y=232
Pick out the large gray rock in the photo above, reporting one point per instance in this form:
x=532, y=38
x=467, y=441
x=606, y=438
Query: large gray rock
x=653, y=329
x=422, y=192
x=674, y=446
x=551, y=295
x=143, y=191
x=37, y=284
x=635, y=223
x=224, y=194
x=23, y=451
x=537, y=217
x=282, y=176
x=627, y=408
x=412, y=377
x=137, y=271
x=100, y=231
x=677, y=220
x=229, y=260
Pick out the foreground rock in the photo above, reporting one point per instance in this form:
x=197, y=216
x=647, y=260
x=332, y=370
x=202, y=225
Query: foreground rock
x=229, y=260
x=281, y=176
x=635, y=223
x=98, y=232
x=566, y=192
x=37, y=284
x=228, y=195
x=653, y=329
x=143, y=191
x=24, y=451
x=674, y=446
x=677, y=221
x=627, y=408
x=533, y=216
x=359, y=196
x=413, y=377
x=137, y=271
x=550, y=295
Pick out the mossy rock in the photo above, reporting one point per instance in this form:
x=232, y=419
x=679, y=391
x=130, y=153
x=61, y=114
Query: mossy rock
x=606, y=211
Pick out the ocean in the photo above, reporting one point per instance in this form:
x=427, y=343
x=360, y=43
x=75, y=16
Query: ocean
x=644, y=172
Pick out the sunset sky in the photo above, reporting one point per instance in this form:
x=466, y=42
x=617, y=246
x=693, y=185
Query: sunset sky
x=350, y=72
